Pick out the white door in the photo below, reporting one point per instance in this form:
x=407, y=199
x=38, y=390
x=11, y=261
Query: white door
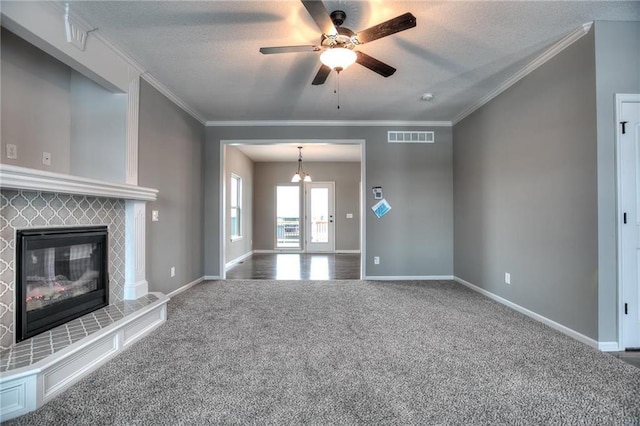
x=629, y=161
x=319, y=212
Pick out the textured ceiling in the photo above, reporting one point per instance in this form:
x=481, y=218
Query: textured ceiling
x=310, y=152
x=206, y=53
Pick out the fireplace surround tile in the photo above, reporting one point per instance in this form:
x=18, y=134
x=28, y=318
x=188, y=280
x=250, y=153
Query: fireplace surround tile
x=30, y=209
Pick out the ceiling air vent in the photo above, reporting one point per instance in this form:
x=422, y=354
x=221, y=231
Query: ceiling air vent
x=394, y=136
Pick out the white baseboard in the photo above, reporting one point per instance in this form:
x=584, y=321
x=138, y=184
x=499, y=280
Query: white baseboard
x=185, y=287
x=237, y=260
x=211, y=277
x=277, y=251
x=608, y=346
x=409, y=277
x=556, y=326
x=300, y=251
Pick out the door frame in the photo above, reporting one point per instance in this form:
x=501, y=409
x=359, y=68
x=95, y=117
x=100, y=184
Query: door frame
x=222, y=198
x=620, y=98
x=307, y=219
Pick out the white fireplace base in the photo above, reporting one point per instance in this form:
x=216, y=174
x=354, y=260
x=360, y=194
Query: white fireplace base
x=25, y=389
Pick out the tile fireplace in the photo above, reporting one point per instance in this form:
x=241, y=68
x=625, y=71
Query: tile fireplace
x=61, y=274
x=70, y=247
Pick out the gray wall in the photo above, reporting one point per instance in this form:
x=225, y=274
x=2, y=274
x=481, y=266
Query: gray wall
x=414, y=239
x=171, y=160
x=525, y=192
x=98, y=131
x=617, y=59
x=238, y=163
x=49, y=107
x=346, y=176
x=36, y=105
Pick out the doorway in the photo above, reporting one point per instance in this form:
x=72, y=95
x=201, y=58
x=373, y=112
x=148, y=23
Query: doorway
x=628, y=150
x=319, y=213
x=261, y=240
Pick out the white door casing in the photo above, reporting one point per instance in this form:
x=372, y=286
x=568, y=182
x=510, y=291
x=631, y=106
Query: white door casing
x=319, y=217
x=628, y=144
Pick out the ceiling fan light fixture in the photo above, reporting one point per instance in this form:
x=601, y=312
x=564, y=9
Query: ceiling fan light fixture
x=338, y=58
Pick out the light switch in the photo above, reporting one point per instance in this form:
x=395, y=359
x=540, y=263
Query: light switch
x=349, y=215
x=154, y=215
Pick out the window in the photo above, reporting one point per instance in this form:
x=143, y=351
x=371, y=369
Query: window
x=236, y=207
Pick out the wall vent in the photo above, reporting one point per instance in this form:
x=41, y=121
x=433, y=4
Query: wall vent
x=394, y=136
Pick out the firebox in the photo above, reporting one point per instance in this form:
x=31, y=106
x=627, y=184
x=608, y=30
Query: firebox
x=61, y=274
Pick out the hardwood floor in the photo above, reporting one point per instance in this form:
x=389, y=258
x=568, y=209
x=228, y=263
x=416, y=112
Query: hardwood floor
x=297, y=266
x=630, y=357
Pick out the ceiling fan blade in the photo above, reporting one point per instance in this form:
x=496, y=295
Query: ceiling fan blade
x=374, y=65
x=392, y=26
x=321, y=16
x=289, y=49
x=322, y=75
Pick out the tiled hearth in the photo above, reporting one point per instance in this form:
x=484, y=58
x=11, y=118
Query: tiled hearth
x=35, y=349
x=37, y=370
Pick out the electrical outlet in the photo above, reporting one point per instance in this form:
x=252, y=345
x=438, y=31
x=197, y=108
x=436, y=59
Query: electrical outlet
x=507, y=278
x=12, y=151
x=154, y=215
x=173, y=271
x=46, y=158
x=376, y=260
x=349, y=215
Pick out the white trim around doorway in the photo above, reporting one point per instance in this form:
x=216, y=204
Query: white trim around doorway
x=222, y=200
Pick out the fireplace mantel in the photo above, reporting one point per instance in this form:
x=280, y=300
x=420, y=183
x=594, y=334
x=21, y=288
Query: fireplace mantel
x=28, y=179
x=23, y=178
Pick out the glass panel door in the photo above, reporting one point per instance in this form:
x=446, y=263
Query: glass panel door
x=319, y=215
x=288, y=216
x=320, y=220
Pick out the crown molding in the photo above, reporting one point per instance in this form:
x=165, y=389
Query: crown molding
x=153, y=81
x=328, y=123
x=134, y=63
x=558, y=47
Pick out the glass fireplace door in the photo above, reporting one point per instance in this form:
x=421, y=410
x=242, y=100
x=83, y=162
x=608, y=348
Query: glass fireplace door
x=62, y=274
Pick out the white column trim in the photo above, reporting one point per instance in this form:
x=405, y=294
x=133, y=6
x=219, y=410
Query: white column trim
x=133, y=102
x=135, y=284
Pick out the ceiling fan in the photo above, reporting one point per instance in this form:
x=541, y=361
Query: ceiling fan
x=338, y=42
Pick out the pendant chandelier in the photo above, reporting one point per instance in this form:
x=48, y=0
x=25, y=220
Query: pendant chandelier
x=300, y=174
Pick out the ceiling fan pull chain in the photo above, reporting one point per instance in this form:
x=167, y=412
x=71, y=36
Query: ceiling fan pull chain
x=337, y=89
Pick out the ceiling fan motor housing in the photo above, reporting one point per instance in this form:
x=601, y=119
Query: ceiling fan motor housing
x=345, y=38
x=338, y=17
